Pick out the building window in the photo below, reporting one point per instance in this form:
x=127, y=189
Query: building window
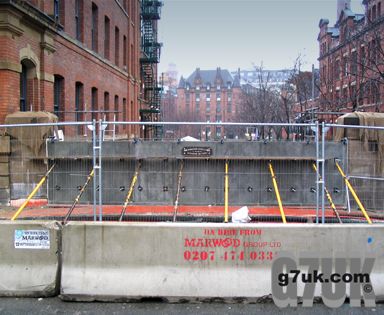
x=375, y=90
x=229, y=107
x=374, y=13
x=208, y=97
x=117, y=45
x=58, y=96
x=218, y=107
x=218, y=132
x=28, y=85
x=207, y=133
x=337, y=69
x=79, y=19
x=362, y=60
x=56, y=9
x=94, y=27
x=218, y=96
x=354, y=62
x=124, y=109
x=79, y=97
x=208, y=107
x=208, y=118
x=133, y=69
x=125, y=52
x=107, y=25
x=345, y=66
x=218, y=118
x=324, y=74
x=106, y=106
x=117, y=107
x=94, y=103
x=208, y=87
x=361, y=93
x=23, y=88
x=197, y=96
x=345, y=97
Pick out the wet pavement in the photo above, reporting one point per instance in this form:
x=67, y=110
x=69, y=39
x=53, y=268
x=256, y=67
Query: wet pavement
x=45, y=306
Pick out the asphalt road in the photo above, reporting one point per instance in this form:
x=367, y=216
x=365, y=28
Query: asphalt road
x=16, y=306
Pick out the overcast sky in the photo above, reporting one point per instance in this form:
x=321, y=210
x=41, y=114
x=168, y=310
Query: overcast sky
x=239, y=33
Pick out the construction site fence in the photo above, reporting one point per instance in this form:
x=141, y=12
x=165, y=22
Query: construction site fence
x=326, y=172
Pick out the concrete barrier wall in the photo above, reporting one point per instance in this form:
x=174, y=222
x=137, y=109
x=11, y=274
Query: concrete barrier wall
x=186, y=261
x=29, y=258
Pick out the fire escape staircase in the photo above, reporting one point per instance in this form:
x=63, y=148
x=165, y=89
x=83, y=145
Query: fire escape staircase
x=150, y=47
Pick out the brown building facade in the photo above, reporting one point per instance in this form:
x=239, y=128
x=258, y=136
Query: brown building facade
x=209, y=96
x=76, y=58
x=351, y=59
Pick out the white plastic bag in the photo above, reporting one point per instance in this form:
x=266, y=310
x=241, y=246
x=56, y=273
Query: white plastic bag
x=241, y=215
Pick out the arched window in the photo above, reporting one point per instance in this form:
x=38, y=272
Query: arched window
x=23, y=89
x=28, y=86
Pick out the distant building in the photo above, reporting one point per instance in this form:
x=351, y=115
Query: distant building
x=275, y=79
x=210, y=96
x=351, y=59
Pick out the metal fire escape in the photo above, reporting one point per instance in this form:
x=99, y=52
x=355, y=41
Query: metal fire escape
x=150, y=57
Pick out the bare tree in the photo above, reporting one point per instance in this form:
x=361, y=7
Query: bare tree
x=259, y=102
x=295, y=95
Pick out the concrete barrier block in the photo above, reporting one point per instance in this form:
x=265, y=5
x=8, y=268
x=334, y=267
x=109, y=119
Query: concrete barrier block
x=178, y=261
x=29, y=264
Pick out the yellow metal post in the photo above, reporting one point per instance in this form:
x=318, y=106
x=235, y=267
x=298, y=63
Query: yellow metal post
x=354, y=193
x=328, y=196
x=226, y=184
x=277, y=193
x=130, y=191
x=34, y=191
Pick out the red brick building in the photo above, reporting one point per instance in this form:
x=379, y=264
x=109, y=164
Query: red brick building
x=209, y=96
x=71, y=57
x=351, y=59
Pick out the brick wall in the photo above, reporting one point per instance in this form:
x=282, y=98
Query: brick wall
x=52, y=52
